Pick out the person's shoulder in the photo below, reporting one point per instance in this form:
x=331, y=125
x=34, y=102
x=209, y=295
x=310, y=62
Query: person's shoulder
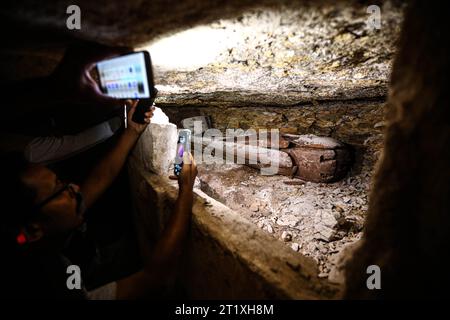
x=105, y=292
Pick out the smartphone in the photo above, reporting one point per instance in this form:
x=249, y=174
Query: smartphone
x=183, y=145
x=129, y=76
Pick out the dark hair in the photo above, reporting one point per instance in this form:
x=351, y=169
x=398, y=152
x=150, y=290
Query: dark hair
x=16, y=199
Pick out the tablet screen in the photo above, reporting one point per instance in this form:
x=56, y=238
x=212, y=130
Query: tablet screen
x=124, y=77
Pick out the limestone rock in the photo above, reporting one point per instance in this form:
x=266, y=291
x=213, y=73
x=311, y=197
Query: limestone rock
x=254, y=207
x=156, y=147
x=287, y=220
x=339, y=261
x=325, y=225
x=286, y=236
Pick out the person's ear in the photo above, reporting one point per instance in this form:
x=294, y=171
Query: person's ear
x=33, y=232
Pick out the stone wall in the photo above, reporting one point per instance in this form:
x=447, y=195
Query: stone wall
x=359, y=123
x=407, y=228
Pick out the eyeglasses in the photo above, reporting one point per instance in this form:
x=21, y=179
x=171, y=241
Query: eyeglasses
x=67, y=186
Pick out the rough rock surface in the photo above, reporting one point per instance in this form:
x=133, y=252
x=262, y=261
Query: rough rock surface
x=406, y=233
x=289, y=55
x=317, y=220
x=359, y=123
x=156, y=147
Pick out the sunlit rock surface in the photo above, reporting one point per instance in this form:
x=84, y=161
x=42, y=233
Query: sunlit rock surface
x=288, y=56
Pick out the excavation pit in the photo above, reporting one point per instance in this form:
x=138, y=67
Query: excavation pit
x=315, y=219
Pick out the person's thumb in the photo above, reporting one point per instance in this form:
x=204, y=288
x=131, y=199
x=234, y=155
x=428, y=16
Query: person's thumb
x=187, y=157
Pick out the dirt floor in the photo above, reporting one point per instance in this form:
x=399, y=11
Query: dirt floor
x=319, y=220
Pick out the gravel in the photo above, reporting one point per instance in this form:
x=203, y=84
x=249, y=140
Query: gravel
x=315, y=219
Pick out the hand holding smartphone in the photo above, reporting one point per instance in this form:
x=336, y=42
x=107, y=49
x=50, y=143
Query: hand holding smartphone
x=183, y=146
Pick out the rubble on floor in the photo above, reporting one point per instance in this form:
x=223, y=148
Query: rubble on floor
x=316, y=219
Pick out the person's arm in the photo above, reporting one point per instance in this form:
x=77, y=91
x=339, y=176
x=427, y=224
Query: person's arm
x=108, y=168
x=161, y=266
x=49, y=149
